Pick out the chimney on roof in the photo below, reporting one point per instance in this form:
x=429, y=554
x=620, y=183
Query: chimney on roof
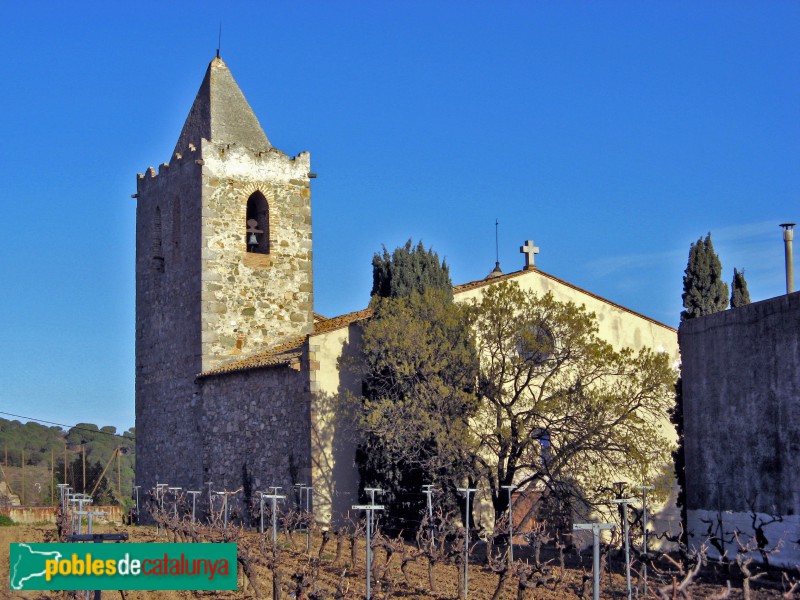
x=788, y=237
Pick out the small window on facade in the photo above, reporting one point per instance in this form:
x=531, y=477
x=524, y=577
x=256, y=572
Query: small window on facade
x=257, y=230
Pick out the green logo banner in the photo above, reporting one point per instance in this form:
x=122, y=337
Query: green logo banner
x=123, y=567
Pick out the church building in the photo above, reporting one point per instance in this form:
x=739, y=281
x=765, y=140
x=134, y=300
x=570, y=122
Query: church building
x=236, y=376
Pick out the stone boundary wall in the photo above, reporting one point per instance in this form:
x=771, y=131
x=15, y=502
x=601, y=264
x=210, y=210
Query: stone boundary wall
x=28, y=515
x=741, y=393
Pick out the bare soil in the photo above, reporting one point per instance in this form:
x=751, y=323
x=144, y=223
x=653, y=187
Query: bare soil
x=350, y=579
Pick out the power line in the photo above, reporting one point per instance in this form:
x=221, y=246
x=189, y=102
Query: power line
x=127, y=437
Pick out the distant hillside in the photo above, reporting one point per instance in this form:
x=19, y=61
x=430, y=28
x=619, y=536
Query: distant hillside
x=44, y=449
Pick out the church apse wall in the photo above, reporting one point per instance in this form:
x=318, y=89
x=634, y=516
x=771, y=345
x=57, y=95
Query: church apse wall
x=741, y=394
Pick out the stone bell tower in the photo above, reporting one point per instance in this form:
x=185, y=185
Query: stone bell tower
x=223, y=268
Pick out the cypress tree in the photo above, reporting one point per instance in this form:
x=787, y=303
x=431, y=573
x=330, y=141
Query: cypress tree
x=739, y=294
x=704, y=292
x=679, y=458
x=409, y=269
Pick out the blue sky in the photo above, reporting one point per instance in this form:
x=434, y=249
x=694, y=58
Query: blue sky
x=613, y=134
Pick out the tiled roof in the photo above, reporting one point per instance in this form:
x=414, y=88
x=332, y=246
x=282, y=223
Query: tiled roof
x=341, y=321
x=290, y=351
x=472, y=285
x=283, y=354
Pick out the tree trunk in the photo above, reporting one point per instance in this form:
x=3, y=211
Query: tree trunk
x=252, y=577
x=522, y=584
x=404, y=571
x=277, y=593
x=339, y=546
x=326, y=537
x=431, y=578
x=353, y=551
x=376, y=568
x=503, y=576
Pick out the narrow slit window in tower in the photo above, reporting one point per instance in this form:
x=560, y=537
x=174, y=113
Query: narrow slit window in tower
x=176, y=225
x=157, y=249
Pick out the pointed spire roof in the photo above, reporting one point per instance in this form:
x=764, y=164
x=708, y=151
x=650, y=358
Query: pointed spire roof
x=220, y=113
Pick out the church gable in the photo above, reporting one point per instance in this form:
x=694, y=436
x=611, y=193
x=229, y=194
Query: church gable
x=620, y=326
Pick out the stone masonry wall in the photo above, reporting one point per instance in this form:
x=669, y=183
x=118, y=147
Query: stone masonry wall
x=741, y=393
x=168, y=323
x=252, y=302
x=741, y=390
x=258, y=420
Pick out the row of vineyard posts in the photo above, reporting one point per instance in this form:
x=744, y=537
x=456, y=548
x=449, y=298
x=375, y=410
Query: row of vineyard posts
x=284, y=553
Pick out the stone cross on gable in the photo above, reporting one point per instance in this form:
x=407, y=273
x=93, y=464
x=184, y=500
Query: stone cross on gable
x=530, y=251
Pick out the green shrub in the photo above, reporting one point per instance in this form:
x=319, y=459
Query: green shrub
x=5, y=521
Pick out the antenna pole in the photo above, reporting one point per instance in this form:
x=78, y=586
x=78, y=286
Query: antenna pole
x=219, y=39
x=496, y=243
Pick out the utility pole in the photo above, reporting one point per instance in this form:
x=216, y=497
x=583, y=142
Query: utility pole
x=23, y=477
x=83, y=448
x=119, y=477
x=52, y=475
x=65, y=463
x=136, y=491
